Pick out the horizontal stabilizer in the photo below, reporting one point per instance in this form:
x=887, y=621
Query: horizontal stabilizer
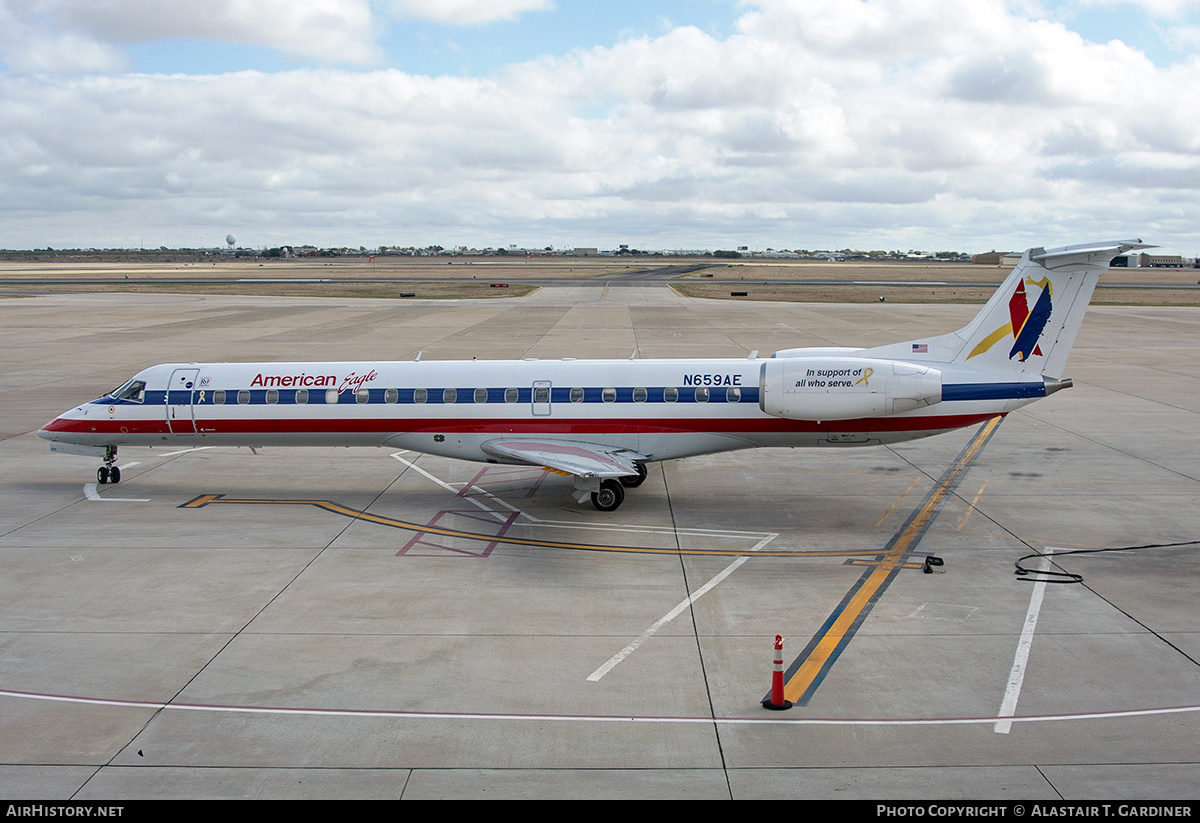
x=1085, y=255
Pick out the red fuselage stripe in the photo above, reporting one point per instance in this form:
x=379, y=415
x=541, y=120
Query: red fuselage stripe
x=764, y=425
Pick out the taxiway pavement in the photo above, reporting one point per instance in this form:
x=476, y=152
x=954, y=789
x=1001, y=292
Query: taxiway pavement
x=152, y=648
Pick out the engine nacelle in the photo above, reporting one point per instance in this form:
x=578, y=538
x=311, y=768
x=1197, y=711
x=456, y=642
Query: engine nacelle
x=843, y=388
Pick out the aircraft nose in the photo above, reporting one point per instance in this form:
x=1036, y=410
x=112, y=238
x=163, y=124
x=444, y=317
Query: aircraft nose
x=47, y=432
x=54, y=429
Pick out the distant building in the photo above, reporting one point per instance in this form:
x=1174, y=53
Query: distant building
x=1160, y=261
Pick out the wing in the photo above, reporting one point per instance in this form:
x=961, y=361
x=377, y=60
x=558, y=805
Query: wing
x=568, y=456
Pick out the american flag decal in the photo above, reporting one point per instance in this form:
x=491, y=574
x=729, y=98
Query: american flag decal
x=920, y=347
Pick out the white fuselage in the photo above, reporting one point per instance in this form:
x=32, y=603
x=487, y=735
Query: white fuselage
x=662, y=409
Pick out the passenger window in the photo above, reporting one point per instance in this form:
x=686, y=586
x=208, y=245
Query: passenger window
x=670, y=394
x=450, y=396
x=272, y=396
x=362, y=396
x=301, y=396
x=577, y=395
x=331, y=396
x=511, y=395
x=609, y=395
x=541, y=394
x=639, y=395
x=243, y=397
x=391, y=395
x=420, y=395
x=702, y=394
x=481, y=395
x=733, y=395
x=219, y=397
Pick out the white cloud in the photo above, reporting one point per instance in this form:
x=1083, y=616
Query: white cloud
x=467, y=12
x=1153, y=8
x=27, y=47
x=337, y=31
x=1182, y=38
x=820, y=125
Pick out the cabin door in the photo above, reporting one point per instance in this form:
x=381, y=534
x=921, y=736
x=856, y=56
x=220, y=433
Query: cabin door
x=541, y=397
x=181, y=417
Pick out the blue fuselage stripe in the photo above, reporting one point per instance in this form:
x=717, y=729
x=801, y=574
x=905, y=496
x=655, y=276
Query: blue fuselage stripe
x=993, y=391
x=951, y=392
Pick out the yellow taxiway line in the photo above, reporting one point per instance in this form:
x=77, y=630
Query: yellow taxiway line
x=392, y=522
x=806, y=673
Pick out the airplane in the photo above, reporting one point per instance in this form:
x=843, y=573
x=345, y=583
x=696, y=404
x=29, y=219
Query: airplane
x=603, y=421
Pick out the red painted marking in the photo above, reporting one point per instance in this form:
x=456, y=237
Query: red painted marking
x=1018, y=308
x=472, y=514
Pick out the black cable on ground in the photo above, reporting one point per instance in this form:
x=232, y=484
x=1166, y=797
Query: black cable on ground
x=1036, y=575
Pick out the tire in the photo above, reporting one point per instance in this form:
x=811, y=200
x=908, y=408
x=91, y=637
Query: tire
x=632, y=481
x=610, y=496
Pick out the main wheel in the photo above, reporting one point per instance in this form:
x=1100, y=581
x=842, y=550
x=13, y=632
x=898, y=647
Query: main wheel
x=610, y=496
x=631, y=481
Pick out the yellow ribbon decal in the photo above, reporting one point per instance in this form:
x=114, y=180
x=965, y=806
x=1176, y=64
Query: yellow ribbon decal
x=867, y=372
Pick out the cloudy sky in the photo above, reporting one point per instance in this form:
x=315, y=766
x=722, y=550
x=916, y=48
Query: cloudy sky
x=873, y=124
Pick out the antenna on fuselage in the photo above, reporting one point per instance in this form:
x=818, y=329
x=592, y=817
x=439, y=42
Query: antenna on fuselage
x=418, y=360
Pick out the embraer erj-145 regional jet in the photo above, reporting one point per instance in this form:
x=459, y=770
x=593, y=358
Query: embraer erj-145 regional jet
x=602, y=421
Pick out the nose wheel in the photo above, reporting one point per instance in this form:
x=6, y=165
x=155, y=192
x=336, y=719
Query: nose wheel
x=109, y=472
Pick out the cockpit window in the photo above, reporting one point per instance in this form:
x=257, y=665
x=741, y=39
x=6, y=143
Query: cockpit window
x=132, y=391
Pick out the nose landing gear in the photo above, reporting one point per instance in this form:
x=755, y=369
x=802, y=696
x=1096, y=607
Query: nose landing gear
x=109, y=472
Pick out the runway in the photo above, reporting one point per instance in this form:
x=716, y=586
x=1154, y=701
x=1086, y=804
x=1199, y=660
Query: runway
x=370, y=623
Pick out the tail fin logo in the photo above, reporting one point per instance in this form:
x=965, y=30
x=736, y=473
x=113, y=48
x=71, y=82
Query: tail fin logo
x=1025, y=324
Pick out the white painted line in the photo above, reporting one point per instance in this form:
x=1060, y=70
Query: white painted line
x=1016, y=677
x=89, y=491
x=595, y=676
x=544, y=718
x=185, y=451
x=455, y=491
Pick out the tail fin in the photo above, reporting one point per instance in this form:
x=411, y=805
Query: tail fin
x=1030, y=323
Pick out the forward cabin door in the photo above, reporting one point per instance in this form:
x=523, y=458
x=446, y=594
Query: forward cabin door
x=181, y=416
x=541, y=398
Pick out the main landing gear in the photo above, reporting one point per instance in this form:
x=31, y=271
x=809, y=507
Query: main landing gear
x=610, y=496
x=612, y=491
x=632, y=481
x=109, y=472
